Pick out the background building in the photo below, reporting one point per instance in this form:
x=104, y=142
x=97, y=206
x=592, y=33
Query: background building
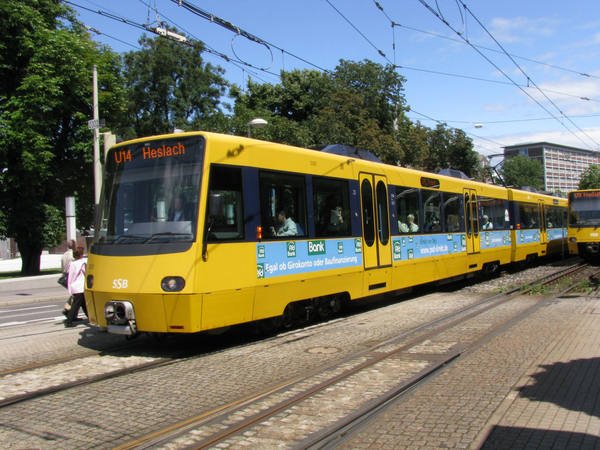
x=562, y=165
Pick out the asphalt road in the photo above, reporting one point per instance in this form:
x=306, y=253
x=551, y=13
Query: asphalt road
x=30, y=313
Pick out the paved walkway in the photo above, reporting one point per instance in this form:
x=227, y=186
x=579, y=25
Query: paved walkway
x=536, y=386
x=38, y=289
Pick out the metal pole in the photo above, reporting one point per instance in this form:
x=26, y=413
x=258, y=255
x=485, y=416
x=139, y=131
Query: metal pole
x=97, y=166
x=70, y=214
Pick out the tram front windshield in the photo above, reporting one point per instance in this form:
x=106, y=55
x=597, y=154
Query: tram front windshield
x=151, y=192
x=584, y=209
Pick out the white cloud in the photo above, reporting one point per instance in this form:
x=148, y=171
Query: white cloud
x=522, y=29
x=496, y=108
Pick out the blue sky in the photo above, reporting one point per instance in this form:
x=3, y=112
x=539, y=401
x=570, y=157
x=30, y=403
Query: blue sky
x=514, y=48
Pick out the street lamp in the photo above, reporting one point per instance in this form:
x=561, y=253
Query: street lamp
x=255, y=123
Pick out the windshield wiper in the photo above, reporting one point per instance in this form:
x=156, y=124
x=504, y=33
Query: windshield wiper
x=128, y=236
x=166, y=233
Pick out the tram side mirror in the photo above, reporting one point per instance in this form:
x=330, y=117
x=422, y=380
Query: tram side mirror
x=215, y=206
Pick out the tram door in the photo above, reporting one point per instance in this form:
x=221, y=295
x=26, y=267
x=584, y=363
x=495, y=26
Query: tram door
x=376, y=224
x=543, y=223
x=471, y=221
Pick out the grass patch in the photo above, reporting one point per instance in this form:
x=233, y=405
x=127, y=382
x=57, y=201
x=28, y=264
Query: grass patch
x=9, y=275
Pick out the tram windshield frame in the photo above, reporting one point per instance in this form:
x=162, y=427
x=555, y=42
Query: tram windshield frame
x=144, y=180
x=583, y=209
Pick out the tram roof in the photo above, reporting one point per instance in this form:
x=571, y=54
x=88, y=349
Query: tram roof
x=345, y=150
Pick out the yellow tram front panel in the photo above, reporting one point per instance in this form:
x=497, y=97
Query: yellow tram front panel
x=137, y=279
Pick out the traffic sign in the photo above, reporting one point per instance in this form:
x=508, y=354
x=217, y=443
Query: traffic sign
x=95, y=123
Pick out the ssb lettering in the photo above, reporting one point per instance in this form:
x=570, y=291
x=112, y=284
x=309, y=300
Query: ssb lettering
x=120, y=283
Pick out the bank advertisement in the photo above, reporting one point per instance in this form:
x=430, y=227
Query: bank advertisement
x=276, y=259
x=424, y=246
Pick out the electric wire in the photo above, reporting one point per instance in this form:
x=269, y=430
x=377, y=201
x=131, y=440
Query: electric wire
x=512, y=82
x=429, y=8
x=528, y=78
x=143, y=27
x=395, y=24
x=229, y=26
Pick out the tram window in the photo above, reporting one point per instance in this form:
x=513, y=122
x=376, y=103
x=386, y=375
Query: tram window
x=432, y=210
x=227, y=181
x=407, y=210
x=452, y=211
x=366, y=192
x=331, y=201
x=529, y=216
x=555, y=217
x=492, y=213
x=382, y=212
x=140, y=192
x=282, y=192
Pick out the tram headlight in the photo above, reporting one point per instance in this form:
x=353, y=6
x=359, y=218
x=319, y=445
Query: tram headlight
x=90, y=281
x=109, y=312
x=172, y=284
x=573, y=239
x=118, y=312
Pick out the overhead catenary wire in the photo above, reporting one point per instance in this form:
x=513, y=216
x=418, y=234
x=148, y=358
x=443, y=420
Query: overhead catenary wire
x=229, y=26
x=512, y=82
x=435, y=13
x=144, y=27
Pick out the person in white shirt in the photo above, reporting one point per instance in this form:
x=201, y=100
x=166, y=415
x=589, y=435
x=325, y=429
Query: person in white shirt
x=76, y=285
x=487, y=225
x=67, y=256
x=411, y=226
x=285, y=226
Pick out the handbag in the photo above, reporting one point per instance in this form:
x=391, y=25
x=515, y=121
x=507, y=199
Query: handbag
x=64, y=280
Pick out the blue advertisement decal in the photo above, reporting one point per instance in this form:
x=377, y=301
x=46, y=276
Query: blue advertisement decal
x=556, y=233
x=528, y=236
x=415, y=247
x=276, y=259
x=494, y=239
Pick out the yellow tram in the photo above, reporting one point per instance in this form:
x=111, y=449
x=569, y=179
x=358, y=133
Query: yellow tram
x=584, y=223
x=200, y=231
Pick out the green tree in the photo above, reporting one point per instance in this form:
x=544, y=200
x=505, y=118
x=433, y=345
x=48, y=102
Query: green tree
x=359, y=104
x=450, y=148
x=171, y=86
x=590, y=178
x=519, y=171
x=414, y=146
x=46, y=60
x=381, y=88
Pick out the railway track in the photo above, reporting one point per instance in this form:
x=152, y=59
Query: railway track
x=101, y=366
x=320, y=408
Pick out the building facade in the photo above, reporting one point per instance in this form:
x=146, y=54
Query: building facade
x=562, y=165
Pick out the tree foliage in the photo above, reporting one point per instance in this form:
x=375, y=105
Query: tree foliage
x=359, y=104
x=170, y=86
x=519, y=171
x=590, y=178
x=46, y=60
x=450, y=148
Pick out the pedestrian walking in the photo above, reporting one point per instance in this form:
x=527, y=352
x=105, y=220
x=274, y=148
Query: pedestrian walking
x=76, y=285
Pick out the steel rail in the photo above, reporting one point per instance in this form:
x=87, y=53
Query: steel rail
x=162, y=436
